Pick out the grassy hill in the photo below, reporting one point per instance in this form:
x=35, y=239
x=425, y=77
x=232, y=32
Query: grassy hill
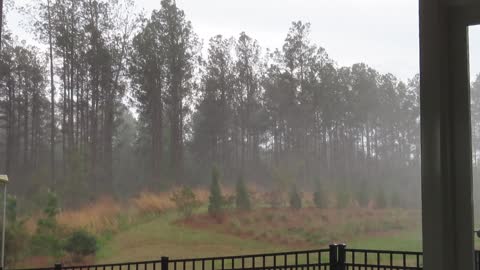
x=166, y=235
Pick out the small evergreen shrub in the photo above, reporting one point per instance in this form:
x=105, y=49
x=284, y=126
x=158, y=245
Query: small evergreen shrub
x=319, y=195
x=396, y=200
x=81, y=244
x=16, y=236
x=46, y=240
x=362, y=194
x=216, y=201
x=381, y=200
x=343, y=198
x=295, y=198
x=185, y=201
x=242, y=198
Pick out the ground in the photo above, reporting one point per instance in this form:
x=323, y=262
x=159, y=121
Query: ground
x=275, y=230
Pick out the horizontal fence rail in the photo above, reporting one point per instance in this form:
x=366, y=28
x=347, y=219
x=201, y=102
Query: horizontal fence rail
x=308, y=260
x=382, y=259
x=336, y=257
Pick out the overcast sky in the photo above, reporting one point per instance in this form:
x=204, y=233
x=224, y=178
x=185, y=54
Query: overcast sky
x=381, y=33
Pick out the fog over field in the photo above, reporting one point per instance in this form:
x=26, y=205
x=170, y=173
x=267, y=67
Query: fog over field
x=263, y=125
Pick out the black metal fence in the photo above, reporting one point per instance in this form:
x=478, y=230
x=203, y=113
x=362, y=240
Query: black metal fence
x=336, y=257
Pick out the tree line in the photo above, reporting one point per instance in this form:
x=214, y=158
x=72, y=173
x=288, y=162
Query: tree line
x=118, y=102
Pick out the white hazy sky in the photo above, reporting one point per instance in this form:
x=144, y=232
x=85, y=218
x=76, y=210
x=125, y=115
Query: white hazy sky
x=381, y=33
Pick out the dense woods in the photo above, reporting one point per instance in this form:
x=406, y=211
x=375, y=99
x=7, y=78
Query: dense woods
x=116, y=103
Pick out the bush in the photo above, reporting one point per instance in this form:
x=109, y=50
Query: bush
x=16, y=236
x=46, y=245
x=343, y=198
x=381, y=200
x=362, y=194
x=396, y=200
x=48, y=223
x=242, y=198
x=185, y=201
x=319, y=196
x=276, y=198
x=216, y=201
x=46, y=240
x=81, y=244
x=295, y=198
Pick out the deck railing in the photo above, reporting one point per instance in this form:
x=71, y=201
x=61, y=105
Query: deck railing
x=336, y=257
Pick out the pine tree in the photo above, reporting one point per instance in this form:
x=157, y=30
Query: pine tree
x=295, y=198
x=381, y=200
x=216, y=200
x=362, y=195
x=319, y=196
x=396, y=200
x=242, y=196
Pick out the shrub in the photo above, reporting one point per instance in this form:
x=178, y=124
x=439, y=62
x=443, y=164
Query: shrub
x=48, y=223
x=381, y=200
x=46, y=240
x=295, y=198
x=396, y=200
x=81, y=244
x=46, y=245
x=216, y=201
x=362, y=194
x=319, y=196
x=16, y=236
x=185, y=201
x=242, y=198
x=276, y=198
x=343, y=198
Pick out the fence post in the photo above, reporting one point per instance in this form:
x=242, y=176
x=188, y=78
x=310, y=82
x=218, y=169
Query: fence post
x=341, y=256
x=164, y=263
x=58, y=266
x=333, y=256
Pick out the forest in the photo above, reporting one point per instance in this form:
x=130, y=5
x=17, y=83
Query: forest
x=112, y=102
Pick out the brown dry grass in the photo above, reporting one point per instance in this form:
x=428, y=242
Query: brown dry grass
x=104, y=214
x=307, y=226
x=95, y=217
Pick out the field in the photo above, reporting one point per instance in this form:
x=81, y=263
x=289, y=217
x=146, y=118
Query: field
x=149, y=226
x=167, y=236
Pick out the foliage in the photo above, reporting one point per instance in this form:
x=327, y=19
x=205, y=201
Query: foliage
x=80, y=244
x=47, y=238
x=343, y=198
x=295, y=198
x=362, y=194
x=381, y=200
x=242, y=196
x=216, y=201
x=16, y=236
x=319, y=195
x=276, y=198
x=11, y=210
x=396, y=201
x=48, y=223
x=185, y=201
x=292, y=108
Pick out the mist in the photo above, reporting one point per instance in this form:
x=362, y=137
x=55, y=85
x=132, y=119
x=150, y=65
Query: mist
x=114, y=119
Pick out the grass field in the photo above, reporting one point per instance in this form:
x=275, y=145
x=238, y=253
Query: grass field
x=162, y=237
x=148, y=227
x=165, y=236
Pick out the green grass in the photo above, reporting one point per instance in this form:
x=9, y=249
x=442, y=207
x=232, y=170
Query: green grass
x=161, y=236
x=401, y=241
